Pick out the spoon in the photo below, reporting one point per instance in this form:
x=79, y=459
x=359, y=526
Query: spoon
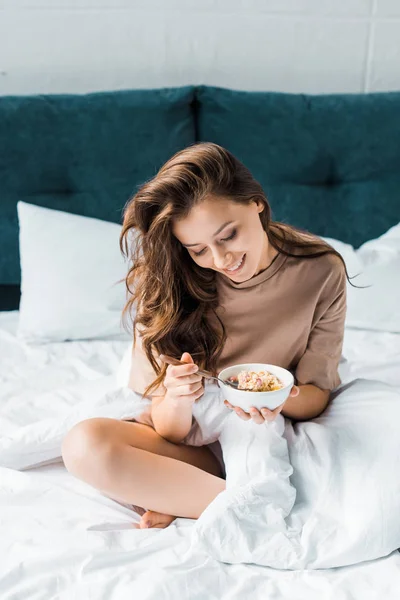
x=173, y=361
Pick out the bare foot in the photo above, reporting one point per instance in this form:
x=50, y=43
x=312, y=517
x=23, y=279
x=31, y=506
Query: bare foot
x=154, y=519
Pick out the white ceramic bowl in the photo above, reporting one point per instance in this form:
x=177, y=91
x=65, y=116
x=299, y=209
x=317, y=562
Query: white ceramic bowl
x=245, y=399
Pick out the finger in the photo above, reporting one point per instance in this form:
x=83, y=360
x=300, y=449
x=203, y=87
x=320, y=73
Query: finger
x=228, y=404
x=181, y=370
x=295, y=391
x=268, y=414
x=277, y=410
x=188, y=390
x=200, y=393
x=178, y=382
x=256, y=416
x=188, y=380
x=186, y=357
x=243, y=415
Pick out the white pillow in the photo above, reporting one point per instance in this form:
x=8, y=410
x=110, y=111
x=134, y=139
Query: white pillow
x=378, y=262
x=70, y=266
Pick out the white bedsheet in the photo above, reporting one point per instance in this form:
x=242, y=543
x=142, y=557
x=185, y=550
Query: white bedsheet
x=60, y=538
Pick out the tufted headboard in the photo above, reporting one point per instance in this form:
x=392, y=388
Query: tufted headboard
x=328, y=163
x=84, y=154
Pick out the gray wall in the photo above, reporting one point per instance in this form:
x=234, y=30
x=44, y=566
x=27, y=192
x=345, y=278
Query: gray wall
x=285, y=45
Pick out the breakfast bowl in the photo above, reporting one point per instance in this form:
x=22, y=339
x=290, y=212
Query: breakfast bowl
x=245, y=399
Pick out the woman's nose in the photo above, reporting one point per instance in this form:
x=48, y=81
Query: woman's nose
x=221, y=261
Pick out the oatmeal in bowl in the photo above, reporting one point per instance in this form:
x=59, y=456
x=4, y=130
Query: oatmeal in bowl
x=257, y=381
x=260, y=385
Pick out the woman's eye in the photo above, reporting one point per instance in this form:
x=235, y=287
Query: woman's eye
x=233, y=234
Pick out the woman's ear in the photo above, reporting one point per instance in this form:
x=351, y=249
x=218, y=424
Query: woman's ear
x=260, y=204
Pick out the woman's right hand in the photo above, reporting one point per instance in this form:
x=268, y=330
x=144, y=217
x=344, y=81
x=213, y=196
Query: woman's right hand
x=182, y=382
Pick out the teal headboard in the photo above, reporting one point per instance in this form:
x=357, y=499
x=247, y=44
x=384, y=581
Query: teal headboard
x=84, y=154
x=328, y=163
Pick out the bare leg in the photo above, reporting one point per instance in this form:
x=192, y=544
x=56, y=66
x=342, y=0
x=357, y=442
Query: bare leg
x=132, y=463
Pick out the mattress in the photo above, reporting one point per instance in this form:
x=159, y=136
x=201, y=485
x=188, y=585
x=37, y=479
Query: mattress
x=61, y=538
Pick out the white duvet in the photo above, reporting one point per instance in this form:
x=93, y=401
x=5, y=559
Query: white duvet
x=316, y=495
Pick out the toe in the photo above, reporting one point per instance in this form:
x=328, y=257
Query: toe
x=154, y=519
x=146, y=520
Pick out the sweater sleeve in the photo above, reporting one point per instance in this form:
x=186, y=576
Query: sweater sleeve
x=319, y=364
x=142, y=373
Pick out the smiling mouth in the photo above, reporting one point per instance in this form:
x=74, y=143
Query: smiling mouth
x=237, y=267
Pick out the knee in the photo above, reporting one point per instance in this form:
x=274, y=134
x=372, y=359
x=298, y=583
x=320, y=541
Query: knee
x=84, y=444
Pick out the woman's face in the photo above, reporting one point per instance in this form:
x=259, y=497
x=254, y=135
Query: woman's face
x=227, y=237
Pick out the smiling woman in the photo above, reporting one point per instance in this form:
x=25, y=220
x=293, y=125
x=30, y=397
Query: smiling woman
x=214, y=281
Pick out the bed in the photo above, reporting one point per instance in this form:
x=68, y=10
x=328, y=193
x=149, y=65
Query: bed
x=63, y=539
x=60, y=538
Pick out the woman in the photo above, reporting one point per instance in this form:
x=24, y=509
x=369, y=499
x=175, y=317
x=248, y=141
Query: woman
x=215, y=282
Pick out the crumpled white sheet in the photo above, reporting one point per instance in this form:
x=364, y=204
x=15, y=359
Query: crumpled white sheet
x=316, y=494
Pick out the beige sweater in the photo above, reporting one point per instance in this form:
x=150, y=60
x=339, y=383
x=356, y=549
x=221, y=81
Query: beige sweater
x=291, y=314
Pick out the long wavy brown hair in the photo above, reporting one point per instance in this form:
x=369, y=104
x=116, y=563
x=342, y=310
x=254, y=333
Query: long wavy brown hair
x=170, y=295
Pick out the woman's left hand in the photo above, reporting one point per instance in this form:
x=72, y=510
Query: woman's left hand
x=265, y=414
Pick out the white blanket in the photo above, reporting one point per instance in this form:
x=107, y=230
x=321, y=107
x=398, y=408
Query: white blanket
x=326, y=498
x=321, y=493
